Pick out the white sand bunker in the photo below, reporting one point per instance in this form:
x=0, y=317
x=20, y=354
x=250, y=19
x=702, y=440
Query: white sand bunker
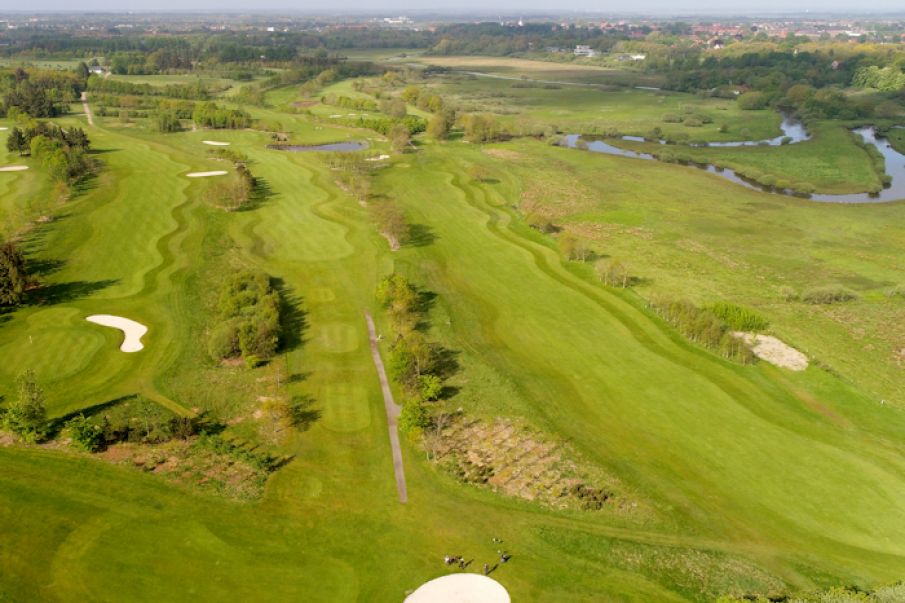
x=378, y=158
x=13, y=168
x=206, y=174
x=3, y=128
x=132, y=330
x=460, y=588
x=214, y=143
x=774, y=351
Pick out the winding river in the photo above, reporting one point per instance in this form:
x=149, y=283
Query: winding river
x=795, y=132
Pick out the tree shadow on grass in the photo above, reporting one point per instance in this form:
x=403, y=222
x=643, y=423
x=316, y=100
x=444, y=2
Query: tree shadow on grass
x=446, y=362
x=59, y=293
x=304, y=414
x=421, y=235
x=44, y=267
x=259, y=195
x=293, y=320
x=297, y=377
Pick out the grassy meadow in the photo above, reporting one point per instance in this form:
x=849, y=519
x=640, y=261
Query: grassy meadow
x=733, y=479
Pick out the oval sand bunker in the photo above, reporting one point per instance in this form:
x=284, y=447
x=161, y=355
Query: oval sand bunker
x=460, y=588
x=215, y=143
x=206, y=174
x=13, y=168
x=132, y=330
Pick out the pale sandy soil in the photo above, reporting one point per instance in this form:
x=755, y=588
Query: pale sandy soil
x=215, y=143
x=772, y=350
x=133, y=331
x=13, y=168
x=206, y=174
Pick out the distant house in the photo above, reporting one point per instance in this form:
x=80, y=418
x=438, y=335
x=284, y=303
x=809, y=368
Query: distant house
x=97, y=70
x=637, y=57
x=583, y=50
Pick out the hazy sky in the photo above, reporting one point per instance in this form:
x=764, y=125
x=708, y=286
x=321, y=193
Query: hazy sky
x=396, y=6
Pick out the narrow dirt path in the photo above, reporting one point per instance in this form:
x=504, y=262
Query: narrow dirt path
x=87, y=109
x=392, y=410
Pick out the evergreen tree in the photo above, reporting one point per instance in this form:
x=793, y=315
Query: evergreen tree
x=27, y=416
x=13, y=277
x=16, y=142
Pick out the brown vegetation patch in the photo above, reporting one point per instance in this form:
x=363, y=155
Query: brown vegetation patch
x=193, y=465
x=506, y=154
x=557, y=198
x=517, y=461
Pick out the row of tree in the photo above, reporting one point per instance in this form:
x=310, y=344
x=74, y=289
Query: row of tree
x=703, y=327
x=415, y=362
x=210, y=115
x=38, y=93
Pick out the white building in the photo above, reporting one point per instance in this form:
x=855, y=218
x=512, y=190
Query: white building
x=583, y=50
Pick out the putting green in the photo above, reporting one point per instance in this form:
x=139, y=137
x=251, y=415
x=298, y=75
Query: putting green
x=54, y=353
x=346, y=407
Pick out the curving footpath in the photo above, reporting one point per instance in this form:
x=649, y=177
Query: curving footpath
x=392, y=410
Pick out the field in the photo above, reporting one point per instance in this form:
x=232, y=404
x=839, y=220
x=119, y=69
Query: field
x=729, y=478
x=830, y=161
x=630, y=111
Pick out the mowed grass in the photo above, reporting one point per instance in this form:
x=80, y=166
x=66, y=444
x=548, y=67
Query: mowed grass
x=747, y=486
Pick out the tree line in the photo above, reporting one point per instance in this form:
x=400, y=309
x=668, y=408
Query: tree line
x=419, y=365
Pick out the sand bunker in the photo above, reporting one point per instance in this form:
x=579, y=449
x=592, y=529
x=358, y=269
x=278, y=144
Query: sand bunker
x=774, y=351
x=3, y=128
x=206, y=174
x=13, y=168
x=215, y=143
x=132, y=330
x=460, y=588
x=378, y=158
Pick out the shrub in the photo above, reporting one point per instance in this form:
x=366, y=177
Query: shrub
x=86, y=434
x=672, y=118
x=703, y=327
x=897, y=291
x=828, y=294
x=414, y=417
x=788, y=293
x=750, y=101
x=738, y=317
x=431, y=387
x=693, y=122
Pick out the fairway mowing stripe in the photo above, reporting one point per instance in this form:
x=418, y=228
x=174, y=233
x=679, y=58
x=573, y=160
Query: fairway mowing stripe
x=338, y=338
x=346, y=407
